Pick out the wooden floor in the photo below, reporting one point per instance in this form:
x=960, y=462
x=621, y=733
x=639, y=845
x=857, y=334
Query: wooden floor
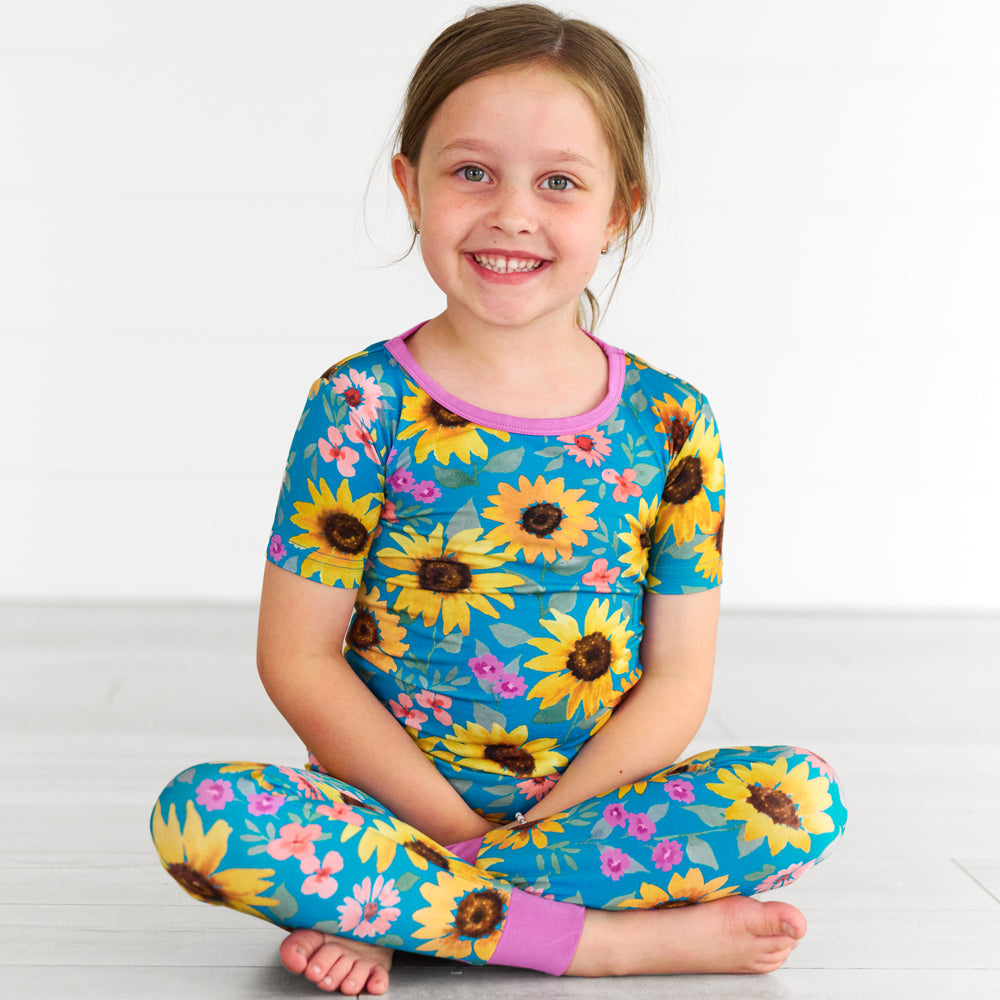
x=102, y=705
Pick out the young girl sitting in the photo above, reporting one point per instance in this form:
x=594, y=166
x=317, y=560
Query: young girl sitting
x=492, y=592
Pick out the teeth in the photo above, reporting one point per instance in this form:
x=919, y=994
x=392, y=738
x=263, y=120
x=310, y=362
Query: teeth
x=507, y=265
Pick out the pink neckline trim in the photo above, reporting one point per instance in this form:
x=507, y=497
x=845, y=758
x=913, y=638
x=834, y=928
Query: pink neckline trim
x=504, y=422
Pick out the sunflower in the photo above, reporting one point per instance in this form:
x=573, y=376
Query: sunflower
x=543, y=519
x=461, y=919
x=191, y=858
x=534, y=832
x=692, y=888
x=383, y=838
x=500, y=752
x=339, y=529
x=582, y=663
x=375, y=632
x=256, y=771
x=675, y=421
x=710, y=550
x=694, y=471
x=445, y=577
x=639, y=538
x=442, y=432
x=784, y=806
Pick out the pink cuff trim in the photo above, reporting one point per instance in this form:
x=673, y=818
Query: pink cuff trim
x=467, y=850
x=539, y=934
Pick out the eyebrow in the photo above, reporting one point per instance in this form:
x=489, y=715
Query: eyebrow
x=567, y=156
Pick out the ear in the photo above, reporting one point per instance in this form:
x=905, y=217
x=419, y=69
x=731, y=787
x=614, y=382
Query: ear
x=620, y=215
x=404, y=174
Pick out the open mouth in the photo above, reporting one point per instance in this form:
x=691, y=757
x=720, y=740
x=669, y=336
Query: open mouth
x=499, y=264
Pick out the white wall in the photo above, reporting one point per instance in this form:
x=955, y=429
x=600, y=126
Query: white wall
x=181, y=253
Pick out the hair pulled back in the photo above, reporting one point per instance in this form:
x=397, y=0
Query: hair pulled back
x=521, y=34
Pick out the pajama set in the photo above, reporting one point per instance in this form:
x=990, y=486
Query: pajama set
x=500, y=565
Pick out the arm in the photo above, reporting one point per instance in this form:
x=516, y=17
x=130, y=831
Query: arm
x=658, y=718
x=353, y=735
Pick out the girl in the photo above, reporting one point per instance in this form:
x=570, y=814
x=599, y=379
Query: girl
x=492, y=592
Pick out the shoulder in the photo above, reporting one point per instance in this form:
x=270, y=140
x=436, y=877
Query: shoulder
x=659, y=385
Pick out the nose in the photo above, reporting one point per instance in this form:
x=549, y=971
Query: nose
x=513, y=210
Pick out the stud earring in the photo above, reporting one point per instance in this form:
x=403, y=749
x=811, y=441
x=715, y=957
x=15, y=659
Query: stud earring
x=607, y=247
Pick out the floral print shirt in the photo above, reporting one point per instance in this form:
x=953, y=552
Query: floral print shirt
x=500, y=562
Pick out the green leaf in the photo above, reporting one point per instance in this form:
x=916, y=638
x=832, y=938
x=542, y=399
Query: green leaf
x=572, y=864
x=246, y=787
x=287, y=905
x=748, y=846
x=550, y=452
x=563, y=601
x=453, y=479
x=556, y=463
x=644, y=474
x=406, y=881
x=631, y=376
x=601, y=829
x=569, y=567
x=764, y=873
x=486, y=716
x=464, y=519
x=635, y=866
x=709, y=815
x=639, y=401
x=451, y=643
x=554, y=861
x=700, y=853
x=658, y=811
x=327, y=927
x=505, y=461
x=554, y=714
x=390, y=941
x=509, y=635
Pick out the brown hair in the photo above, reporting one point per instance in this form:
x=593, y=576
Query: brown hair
x=488, y=39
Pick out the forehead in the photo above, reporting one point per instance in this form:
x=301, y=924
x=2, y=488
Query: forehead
x=533, y=105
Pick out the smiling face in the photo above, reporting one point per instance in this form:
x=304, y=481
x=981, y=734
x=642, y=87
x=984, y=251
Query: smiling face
x=514, y=196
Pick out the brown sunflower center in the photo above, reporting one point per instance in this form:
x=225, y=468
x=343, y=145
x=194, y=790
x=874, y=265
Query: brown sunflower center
x=353, y=396
x=444, y=575
x=513, y=758
x=354, y=803
x=644, y=540
x=363, y=633
x=684, y=481
x=443, y=417
x=479, y=913
x=196, y=884
x=541, y=519
x=428, y=853
x=779, y=806
x=591, y=657
x=718, y=535
x=680, y=431
x=344, y=532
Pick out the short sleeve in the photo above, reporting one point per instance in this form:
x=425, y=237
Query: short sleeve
x=332, y=494
x=686, y=545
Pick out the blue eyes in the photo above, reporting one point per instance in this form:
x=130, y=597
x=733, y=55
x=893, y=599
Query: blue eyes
x=555, y=183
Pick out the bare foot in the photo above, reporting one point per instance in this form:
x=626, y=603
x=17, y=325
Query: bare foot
x=337, y=963
x=736, y=934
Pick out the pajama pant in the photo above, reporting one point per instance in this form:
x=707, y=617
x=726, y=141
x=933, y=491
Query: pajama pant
x=299, y=848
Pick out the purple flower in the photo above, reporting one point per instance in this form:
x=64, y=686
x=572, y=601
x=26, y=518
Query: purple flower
x=615, y=815
x=264, y=803
x=614, y=863
x=402, y=480
x=425, y=491
x=214, y=794
x=640, y=826
x=680, y=790
x=487, y=668
x=510, y=686
x=276, y=549
x=666, y=854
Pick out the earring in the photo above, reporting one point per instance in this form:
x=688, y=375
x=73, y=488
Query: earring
x=607, y=247
x=416, y=229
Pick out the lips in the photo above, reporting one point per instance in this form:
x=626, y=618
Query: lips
x=507, y=264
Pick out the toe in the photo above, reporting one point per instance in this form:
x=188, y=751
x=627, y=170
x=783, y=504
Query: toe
x=297, y=948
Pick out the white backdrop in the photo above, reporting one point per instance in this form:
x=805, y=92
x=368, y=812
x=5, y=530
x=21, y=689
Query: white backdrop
x=182, y=251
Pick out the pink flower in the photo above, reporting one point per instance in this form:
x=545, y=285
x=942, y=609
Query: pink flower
x=666, y=854
x=372, y=909
x=615, y=814
x=214, y=794
x=316, y=764
x=535, y=788
x=359, y=435
x=265, y=804
x=321, y=880
x=680, y=790
x=625, y=485
x=332, y=452
x=402, y=481
x=614, y=863
x=436, y=703
x=404, y=710
x=510, y=686
x=640, y=826
x=590, y=446
x=305, y=786
x=487, y=668
x=600, y=577
x=389, y=512
x=276, y=550
x=342, y=812
x=817, y=762
x=295, y=841
x=361, y=393
x=782, y=878
x=426, y=491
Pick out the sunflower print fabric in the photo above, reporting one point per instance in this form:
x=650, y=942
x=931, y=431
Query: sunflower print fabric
x=500, y=566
